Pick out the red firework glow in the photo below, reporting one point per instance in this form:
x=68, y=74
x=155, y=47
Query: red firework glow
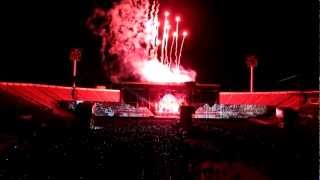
x=155, y=71
x=134, y=37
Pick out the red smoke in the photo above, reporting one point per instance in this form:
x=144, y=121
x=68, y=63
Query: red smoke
x=133, y=35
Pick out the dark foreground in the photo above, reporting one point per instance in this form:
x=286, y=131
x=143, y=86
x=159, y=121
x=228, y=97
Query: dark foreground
x=150, y=149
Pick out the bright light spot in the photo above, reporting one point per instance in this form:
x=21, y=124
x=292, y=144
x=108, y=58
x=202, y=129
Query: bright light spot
x=185, y=33
x=166, y=13
x=175, y=34
x=279, y=113
x=178, y=19
x=169, y=104
x=155, y=71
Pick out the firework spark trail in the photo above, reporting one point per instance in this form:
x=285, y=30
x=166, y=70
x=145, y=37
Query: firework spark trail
x=166, y=45
x=153, y=26
x=133, y=36
x=181, y=47
x=171, y=49
x=150, y=26
x=157, y=48
x=176, y=49
x=157, y=19
x=162, y=46
x=152, y=10
x=155, y=39
x=157, y=24
x=163, y=42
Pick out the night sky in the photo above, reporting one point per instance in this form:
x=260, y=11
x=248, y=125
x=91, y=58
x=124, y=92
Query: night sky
x=36, y=38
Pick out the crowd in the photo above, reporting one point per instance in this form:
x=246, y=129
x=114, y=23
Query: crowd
x=158, y=150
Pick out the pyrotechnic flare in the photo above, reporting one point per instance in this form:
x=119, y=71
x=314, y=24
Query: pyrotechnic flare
x=157, y=30
x=166, y=14
x=167, y=42
x=172, y=43
x=156, y=40
x=153, y=27
x=133, y=36
x=184, y=34
x=177, y=31
x=152, y=15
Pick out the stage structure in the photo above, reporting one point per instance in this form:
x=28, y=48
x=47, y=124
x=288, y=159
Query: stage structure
x=159, y=99
x=167, y=100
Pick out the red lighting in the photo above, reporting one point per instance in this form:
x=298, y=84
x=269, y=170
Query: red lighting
x=174, y=34
x=185, y=33
x=279, y=113
x=136, y=43
x=155, y=71
x=169, y=104
x=158, y=42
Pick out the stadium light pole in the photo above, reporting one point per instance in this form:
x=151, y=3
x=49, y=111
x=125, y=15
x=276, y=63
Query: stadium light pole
x=252, y=62
x=75, y=56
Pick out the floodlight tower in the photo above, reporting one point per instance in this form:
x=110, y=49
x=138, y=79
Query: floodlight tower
x=75, y=56
x=252, y=62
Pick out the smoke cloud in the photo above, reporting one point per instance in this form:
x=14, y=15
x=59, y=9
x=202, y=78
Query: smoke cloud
x=132, y=34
